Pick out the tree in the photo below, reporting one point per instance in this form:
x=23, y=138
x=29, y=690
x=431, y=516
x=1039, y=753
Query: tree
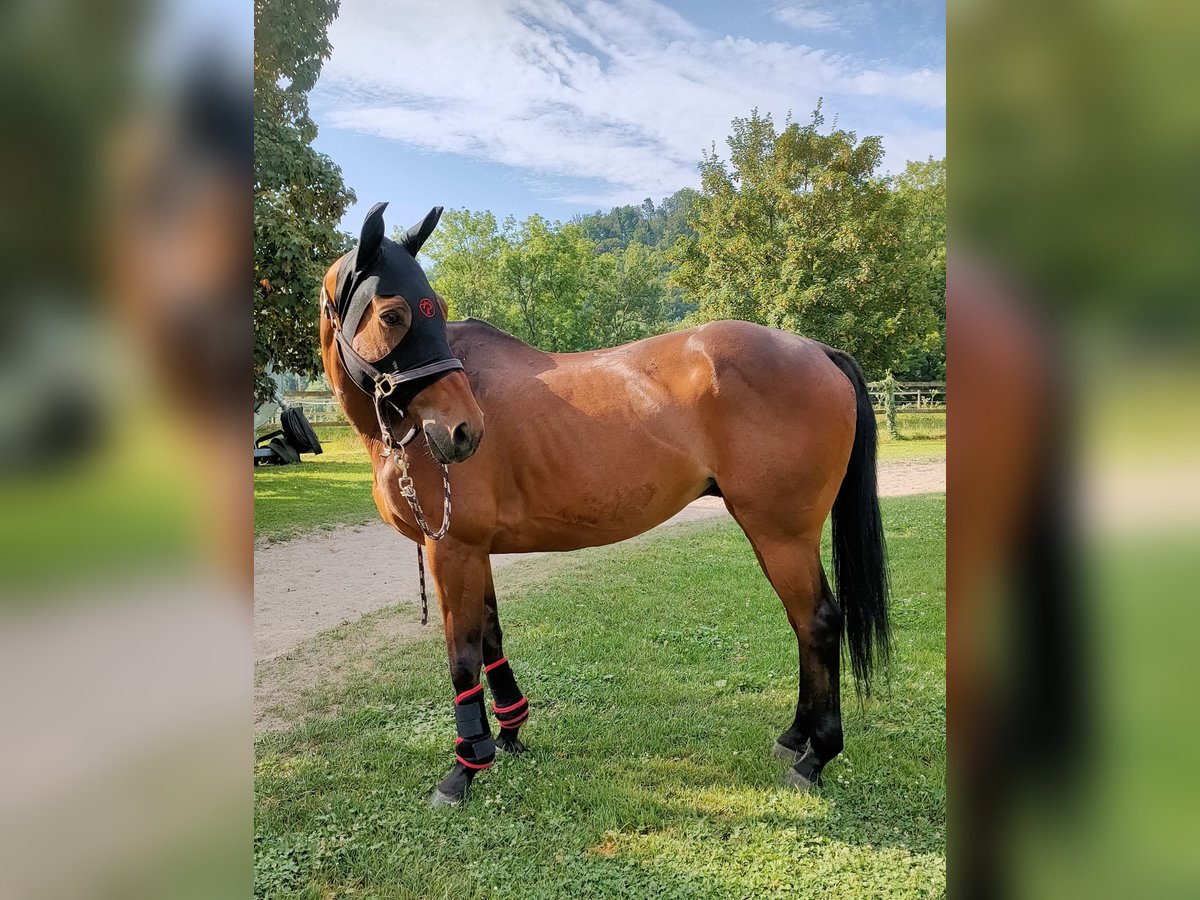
x=546, y=282
x=627, y=297
x=920, y=196
x=544, y=271
x=676, y=213
x=299, y=195
x=464, y=266
x=657, y=227
x=796, y=231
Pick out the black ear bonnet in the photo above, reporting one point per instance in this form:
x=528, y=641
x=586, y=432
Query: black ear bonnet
x=382, y=267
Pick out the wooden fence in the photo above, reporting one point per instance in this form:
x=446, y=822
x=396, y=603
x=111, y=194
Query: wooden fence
x=320, y=407
x=911, y=396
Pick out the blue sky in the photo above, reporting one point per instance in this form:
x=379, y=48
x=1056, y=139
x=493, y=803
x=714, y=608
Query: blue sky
x=524, y=106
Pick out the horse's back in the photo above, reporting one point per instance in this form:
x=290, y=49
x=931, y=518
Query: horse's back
x=754, y=350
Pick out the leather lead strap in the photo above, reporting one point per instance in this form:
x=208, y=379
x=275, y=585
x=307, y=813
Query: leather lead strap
x=421, y=572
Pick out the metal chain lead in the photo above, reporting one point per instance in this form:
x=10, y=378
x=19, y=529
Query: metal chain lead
x=410, y=494
x=408, y=490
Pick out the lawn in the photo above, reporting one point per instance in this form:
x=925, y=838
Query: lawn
x=659, y=673
x=335, y=487
x=322, y=491
x=913, y=426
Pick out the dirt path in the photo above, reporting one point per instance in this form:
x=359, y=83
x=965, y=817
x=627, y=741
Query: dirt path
x=305, y=586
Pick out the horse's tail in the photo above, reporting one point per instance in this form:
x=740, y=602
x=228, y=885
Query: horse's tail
x=859, y=555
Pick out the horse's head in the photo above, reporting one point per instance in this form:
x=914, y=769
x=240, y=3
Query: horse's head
x=391, y=333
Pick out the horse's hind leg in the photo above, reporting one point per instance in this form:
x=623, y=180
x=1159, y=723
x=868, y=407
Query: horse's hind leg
x=818, y=705
x=794, y=569
x=508, y=703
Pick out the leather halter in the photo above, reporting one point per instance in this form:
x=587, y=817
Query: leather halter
x=363, y=373
x=344, y=316
x=392, y=447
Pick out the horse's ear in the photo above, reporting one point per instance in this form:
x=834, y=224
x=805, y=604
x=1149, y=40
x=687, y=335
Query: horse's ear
x=416, y=236
x=372, y=234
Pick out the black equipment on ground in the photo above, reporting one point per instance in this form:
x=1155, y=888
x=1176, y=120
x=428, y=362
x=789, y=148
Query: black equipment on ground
x=283, y=447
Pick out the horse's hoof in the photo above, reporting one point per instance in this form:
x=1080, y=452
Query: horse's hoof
x=799, y=782
x=440, y=799
x=510, y=745
x=787, y=754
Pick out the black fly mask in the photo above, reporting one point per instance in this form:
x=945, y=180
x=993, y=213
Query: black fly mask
x=381, y=267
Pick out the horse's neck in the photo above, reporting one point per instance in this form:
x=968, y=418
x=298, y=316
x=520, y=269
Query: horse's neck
x=491, y=356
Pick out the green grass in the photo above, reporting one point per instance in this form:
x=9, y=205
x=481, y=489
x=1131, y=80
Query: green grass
x=335, y=487
x=913, y=426
x=659, y=674
x=322, y=491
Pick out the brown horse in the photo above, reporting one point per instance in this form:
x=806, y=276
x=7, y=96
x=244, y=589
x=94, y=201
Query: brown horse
x=584, y=449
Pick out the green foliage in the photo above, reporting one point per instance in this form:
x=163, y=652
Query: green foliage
x=544, y=279
x=797, y=231
x=650, y=226
x=889, y=404
x=299, y=196
x=659, y=673
x=657, y=227
x=546, y=282
x=462, y=257
x=920, y=207
x=631, y=296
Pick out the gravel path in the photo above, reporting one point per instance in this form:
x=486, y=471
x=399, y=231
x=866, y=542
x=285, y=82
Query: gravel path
x=312, y=583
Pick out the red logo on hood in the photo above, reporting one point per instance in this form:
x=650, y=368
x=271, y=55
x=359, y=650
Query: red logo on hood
x=428, y=307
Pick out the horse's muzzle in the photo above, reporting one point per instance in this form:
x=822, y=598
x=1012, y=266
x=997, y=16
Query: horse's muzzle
x=452, y=445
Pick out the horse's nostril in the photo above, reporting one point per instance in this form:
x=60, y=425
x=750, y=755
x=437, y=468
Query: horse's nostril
x=461, y=436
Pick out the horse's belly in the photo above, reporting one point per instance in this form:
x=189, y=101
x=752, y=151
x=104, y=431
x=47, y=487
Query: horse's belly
x=598, y=514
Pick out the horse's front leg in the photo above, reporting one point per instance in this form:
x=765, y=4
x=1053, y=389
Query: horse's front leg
x=509, y=704
x=461, y=574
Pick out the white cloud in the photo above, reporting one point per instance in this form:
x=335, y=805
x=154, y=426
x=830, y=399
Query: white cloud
x=804, y=17
x=626, y=94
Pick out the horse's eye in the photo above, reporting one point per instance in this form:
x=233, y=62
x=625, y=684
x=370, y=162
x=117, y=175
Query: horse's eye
x=391, y=317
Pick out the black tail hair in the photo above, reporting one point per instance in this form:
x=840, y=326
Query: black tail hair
x=859, y=555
